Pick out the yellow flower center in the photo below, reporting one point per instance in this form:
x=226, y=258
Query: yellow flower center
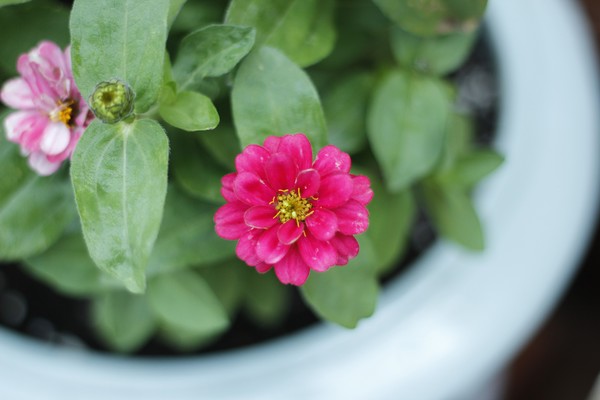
x=63, y=112
x=291, y=205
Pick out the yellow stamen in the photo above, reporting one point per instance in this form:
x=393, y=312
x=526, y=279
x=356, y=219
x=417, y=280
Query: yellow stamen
x=291, y=205
x=63, y=113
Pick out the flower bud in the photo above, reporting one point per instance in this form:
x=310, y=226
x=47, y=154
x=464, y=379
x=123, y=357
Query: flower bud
x=112, y=101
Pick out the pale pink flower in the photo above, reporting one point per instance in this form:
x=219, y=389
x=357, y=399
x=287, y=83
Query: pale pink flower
x=291, y=213
x=51, y=114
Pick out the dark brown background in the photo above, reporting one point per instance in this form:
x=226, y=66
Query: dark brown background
x=562, y=361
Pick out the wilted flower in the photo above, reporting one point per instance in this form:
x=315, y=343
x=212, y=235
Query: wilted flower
x=51, y=113
x=290, y=213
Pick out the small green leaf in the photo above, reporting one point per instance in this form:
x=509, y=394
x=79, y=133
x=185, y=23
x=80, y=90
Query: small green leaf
x=345, y=107
x=194, y=169
x=120, y=39
x=11, y=2
x=189, y=111
x=223, y=144
x=473, y=167
x=459, y=140
x=175, y=7
x=187, y=236
x=406, y=126
x=197, y=14
x=124, y=321
x=273, y=96
x=67, y=267
x=266, y=300
x=43, y=22
x=439, y=55
x=211, y=51
x=119, y=174
x=434, y=17
x=185, y=300
x=453, y=214
x=344, y=295
x=183, y=340
x=302, y=29
x=226, y=279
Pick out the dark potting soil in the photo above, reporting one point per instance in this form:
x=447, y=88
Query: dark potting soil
x=34, y=309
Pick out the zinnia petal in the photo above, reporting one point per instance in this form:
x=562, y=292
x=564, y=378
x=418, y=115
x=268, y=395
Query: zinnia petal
x=40, y=164
x=261, y=217
x=308, y=181
x=227, y=187
x=353, y=218
x=253, y=160
x=347, y=247
x=281, y=171
x=246, y=248
x=269, y=248
x=272, y=143
x=292, y=269
x=17, y=94
x=55, y=139
x=330, y=160
x=362, y=189
x=289, y=232
x=252, y=190
x=229, y=221
x=298, y=148
x=335, y=190
x=25, y=127
x=317, y=254
x=322, y=224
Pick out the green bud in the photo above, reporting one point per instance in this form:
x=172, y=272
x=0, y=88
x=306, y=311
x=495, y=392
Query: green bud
x=112, y=101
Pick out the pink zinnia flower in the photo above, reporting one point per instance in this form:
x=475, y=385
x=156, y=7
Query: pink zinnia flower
x=290, y=213
x=51, y=114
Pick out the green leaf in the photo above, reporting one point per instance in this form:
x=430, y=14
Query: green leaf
x=194, y=169
x=189, y=111
x=226, y=279
x=473, y=167
x=187, y=236
x=184, y=340
x=273, y=96
x=406, y=126
x=120, y=39
x=266, y=300
x=43, y=22
x=391, y=216
x=459, y=140
x=175, y=7
x=211, y=51
x=119, y=174
x=124, y=321
x=11, y=2
x=302, y=29
x=453, y=214
x=434, y=17
x=67, y=267
x=344, y=295
x=223, y=145
x=197, y=14
x=345, y=107
x=185, y=300
x=439, y=55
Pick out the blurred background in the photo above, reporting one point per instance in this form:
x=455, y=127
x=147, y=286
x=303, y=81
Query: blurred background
x=562, y=360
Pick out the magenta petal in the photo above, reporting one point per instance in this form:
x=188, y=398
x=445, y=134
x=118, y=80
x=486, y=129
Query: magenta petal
x=292, y=269
x=272, y=143
x=227, y=188
x=308, y=181
x=335, y=190
x=262, y=267
x=40, y=163
x=252, y=190
x=268, y=248
x=253, y=160
x=246, y=248
x=17, y=94
x=25, y=127
x=229, y=221
x=319, y=255
x=331, y=160
x=298, y=148
x=281, y=171
x=362, y=189
x=322, y=224
x=261, y=217
x=353, y=218
x=346, y=246
x=289, y=232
